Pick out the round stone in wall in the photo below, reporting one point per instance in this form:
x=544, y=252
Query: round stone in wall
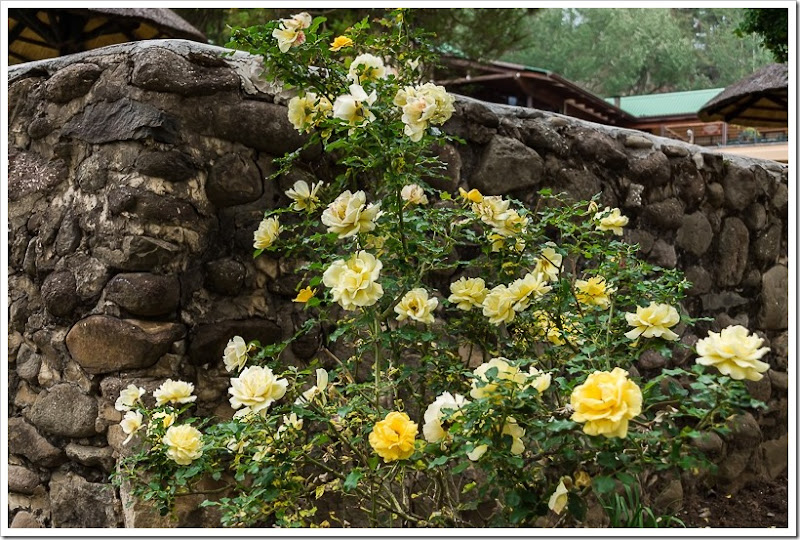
x=225, y=276
x=71, y=82
x=144, y=294
x=66, y=411
x=103, y=344
x=695, y=234
x=59, y=293
x=233, y=180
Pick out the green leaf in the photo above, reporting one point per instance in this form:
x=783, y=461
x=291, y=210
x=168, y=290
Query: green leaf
x=373, y=462
x=576, y=506
x=441, y=460
x=626, y=479
x=513, y=499
x=351, y=482
x=315, y=24
x=603, y=484
x=560, y=425
x=461, y=467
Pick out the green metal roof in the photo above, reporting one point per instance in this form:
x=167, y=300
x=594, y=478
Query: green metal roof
x=666, y=104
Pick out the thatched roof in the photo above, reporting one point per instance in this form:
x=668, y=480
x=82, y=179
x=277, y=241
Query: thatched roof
x=759, y=100
x=36, y=34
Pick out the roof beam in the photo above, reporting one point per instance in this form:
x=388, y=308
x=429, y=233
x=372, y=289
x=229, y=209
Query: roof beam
x=477, y=78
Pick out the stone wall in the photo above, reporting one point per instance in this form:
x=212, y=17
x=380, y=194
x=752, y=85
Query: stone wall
x=136, y=180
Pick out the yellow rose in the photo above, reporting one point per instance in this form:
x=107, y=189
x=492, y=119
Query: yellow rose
x=290, y=34
x=131, y=423
x=510, y=428
x=654, y=320
x=316, y=390
x=178, y=392
x=370, y=66
x=417, y=112
x=547, y=329
x=509, y=223
x=499, y=241
x=513, y=430
x=548, y=264
x=413, y=193
x=432, y=429
x=340, y=43
x=734, y=353
x=472, y=195
x=605, y=402
x=349, y=214
x=301, y=111
x=559, y=498
x=304, y=295
x=538, y=380
x=299, y=21
x=128, y=398
x=235, y=354
x=498, y=305
x=167, y=419
x=304, y=197
x=255, y=389
x=184, y=444
x=423, y=105
x=492, y=210
x=521, y=290
x=476, y=453
x=267, y=232
x=416, y=305
x=611, y=220
x=481, y=385
x=353, y=108
x=444, y=102
x=467, y=293
x=354, y=282
x=593, y=292
x=393, y=437
x=288, y=38
x=582, y=479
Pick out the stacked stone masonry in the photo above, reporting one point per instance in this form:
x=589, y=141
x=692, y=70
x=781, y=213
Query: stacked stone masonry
x=137, y=175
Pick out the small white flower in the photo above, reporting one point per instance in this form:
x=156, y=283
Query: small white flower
x=304, y=197
x=354, y=107
x=371, y=67
x=235, y=355
x=177, y=392
x=131, y=423
x=316, y=390
x=128, y=398
x=432, y=430
x=559, y=498
x=413, y=193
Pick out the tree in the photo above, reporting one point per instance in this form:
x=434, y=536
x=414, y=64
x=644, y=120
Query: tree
x=772, y=25
x=641, y=51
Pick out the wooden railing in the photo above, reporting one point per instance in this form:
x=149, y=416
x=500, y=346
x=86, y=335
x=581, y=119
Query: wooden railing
x=722, y=134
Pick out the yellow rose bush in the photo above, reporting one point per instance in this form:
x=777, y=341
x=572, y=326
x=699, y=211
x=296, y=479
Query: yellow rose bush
x=466, y=350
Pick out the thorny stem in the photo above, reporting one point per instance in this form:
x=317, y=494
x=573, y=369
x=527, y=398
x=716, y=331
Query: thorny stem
x=378, y=502
x=377, y=348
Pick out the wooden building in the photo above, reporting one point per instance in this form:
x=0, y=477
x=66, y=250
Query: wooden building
x=672, y=115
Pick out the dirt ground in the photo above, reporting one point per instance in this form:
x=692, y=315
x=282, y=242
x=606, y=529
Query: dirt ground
x=764, y=505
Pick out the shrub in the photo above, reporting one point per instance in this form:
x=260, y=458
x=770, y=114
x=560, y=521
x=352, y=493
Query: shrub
x=479, y=353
